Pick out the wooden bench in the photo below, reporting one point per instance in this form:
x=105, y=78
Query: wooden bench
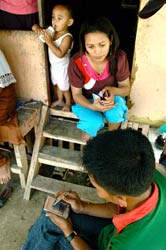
x=28, y=117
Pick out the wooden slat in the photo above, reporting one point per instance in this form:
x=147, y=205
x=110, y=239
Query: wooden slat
x=144, y=128
x=124, y=125
x=63, y=130
x=60, y=113
x=52, y=186
x=61, y=157
x=135, y=126
x=28, y=118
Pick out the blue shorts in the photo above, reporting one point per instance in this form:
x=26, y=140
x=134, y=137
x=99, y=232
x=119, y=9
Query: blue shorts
x=91, y=121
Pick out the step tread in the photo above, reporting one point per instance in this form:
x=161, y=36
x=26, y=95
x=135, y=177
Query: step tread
x=61, y=157
x=66, y=130
x=52, y=186
x=62, y=129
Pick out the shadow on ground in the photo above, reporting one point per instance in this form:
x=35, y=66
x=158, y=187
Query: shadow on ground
x=17, y=215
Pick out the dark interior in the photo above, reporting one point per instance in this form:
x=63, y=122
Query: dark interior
x=122, y=13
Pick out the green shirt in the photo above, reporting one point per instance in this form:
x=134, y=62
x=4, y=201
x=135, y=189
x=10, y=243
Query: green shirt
x=146, y=233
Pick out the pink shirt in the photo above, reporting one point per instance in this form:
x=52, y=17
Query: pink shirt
x=92, y=73
x=21, y=7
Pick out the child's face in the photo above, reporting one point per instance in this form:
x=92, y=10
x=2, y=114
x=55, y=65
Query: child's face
x=97, y=45
x=61, y=18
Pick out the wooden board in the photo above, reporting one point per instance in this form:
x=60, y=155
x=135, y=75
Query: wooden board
x=52, y=186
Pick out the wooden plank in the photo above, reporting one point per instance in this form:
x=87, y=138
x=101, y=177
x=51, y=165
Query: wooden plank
x=145, y=129
x=124, y=125
x=28, y=118
x=63, y=130
x=22, y=163
x=61, y=157
x=56, y=112
x=52, y=186
x=135, y=126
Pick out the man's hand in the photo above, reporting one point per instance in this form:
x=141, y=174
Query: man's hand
x=73, y=199
x=64, y=224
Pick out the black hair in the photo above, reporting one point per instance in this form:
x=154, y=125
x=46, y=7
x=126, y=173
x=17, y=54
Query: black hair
x=121, y=161
x=66, y=5
x=101, y=24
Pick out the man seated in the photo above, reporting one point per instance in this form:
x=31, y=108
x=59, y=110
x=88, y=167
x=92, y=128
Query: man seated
x=121, y=167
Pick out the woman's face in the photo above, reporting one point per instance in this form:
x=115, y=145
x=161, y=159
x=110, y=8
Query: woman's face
x=97, y=45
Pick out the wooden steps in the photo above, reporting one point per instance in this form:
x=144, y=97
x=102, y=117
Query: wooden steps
x=60, y=126
x=56, y=128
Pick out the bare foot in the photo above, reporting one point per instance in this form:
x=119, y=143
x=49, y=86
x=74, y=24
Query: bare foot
x=57, y=103
x=85, y=137
x=5, y=174
x=66, y=108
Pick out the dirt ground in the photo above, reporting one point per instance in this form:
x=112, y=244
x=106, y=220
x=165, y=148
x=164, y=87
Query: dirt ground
x=17, y=215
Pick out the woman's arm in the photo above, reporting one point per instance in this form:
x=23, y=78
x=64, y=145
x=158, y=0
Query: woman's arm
x=79, y=98
x=122, y=90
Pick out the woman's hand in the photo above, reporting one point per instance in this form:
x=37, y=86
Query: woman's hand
x=103, y=104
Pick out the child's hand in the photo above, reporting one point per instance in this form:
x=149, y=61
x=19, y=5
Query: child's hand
x=37, y=29
x=47, y=37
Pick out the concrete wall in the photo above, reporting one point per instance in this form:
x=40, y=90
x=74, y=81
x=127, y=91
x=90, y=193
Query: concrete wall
x=26, y=56
x=148, y=78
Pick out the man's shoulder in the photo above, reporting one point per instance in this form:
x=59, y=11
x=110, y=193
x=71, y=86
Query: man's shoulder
x=160, y=180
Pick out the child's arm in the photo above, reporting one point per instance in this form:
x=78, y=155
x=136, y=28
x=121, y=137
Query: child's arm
x=62, y=49
x=37, y=29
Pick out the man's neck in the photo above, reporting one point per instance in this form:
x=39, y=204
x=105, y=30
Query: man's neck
x=134, y=202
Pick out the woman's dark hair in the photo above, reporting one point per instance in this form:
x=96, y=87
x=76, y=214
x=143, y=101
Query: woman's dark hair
x=121, y=161
x=101, y=24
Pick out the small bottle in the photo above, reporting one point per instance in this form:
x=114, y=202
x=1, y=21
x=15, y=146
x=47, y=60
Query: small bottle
x=50, y=30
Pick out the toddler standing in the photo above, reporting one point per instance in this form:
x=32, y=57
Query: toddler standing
x=59, y=49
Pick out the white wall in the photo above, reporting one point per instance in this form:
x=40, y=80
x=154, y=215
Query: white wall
x=148, y=91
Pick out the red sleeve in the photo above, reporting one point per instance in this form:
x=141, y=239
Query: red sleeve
x=76, y=77
x=123, y=71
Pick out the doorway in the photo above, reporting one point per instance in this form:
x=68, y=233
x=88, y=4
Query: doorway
x=122, y=13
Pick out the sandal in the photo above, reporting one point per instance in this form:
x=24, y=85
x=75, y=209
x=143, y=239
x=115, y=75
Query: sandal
x=160, y=141
x=4, y=195
x=5, y=152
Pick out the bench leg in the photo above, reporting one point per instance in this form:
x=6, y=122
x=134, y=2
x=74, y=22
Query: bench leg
x=21, y=160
